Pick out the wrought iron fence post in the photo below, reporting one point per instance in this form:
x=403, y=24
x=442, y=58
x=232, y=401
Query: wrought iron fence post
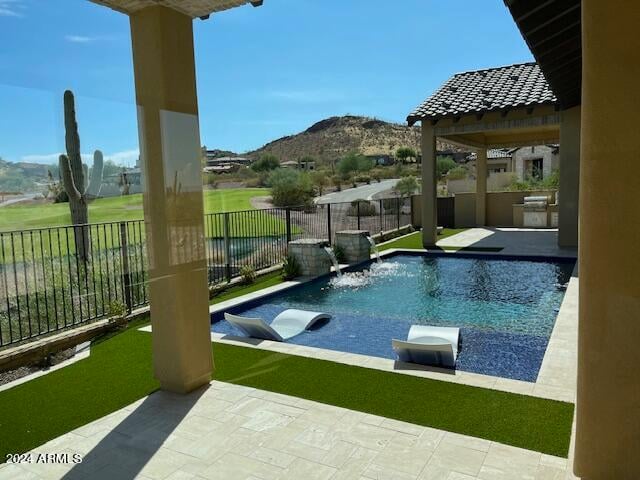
x=288, y=223
x=227, y=248
x=126, y=274
x=329, y=222
x=398, y=211
x=380, y=204
x=358, y=212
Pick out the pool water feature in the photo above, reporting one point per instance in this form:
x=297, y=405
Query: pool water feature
x=505, y=308
x=334, y=260
x=374, y=247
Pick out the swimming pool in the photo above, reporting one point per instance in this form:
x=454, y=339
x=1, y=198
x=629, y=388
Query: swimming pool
x=505, y=307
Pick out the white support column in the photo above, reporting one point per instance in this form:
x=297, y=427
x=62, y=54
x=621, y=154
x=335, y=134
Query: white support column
x=569, y=177
x=164, y=67
x=481, y=187
x=429, y=186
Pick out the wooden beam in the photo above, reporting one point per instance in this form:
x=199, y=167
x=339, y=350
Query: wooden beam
x=527, y=121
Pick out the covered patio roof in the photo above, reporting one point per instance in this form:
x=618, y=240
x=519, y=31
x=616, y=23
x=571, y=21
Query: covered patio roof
x=191, y=8
x=508, y=106
x=553, y=32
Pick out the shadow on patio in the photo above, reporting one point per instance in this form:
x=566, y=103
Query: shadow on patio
x=129, y=446
x=513, y=241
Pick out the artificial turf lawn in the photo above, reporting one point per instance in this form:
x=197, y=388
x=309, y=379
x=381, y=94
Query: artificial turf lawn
x=519, y=420
x=119, y=371
x=261, y=282
x=414, y=240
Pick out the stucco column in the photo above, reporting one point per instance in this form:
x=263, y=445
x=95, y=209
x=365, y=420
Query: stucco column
x=569, y=177
x=481, y=187
x=165, y=81
x=429, y=186
x=608, y=402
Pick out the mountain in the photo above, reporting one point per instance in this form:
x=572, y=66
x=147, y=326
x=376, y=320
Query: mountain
x=334, y=137
x=21, y=176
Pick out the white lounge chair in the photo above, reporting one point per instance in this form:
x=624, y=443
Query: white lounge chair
x=286, y=325
x=429, y=345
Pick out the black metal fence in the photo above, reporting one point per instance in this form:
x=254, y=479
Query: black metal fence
x=46, y=285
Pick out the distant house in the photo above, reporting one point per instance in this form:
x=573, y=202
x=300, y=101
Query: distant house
x=382, y=160
x=536, y=162
x=228, y=168
x=112, y=184
x=219, y=161
x=307, y=165
x=458, y=157
x=289, y=164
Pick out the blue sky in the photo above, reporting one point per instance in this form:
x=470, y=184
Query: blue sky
x=262, y=72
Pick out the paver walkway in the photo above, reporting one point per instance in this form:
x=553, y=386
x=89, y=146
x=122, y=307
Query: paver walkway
x=233, y=432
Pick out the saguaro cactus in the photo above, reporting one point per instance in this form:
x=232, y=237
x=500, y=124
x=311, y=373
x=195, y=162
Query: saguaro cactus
x=74, y=175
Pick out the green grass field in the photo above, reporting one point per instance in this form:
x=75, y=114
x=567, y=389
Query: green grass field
x=20, y=217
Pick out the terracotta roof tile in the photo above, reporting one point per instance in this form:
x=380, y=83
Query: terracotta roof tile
x=481, y=91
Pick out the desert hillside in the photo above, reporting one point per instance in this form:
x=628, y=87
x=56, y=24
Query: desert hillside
x=334, y=137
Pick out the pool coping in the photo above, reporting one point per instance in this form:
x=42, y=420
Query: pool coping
x=556, y=378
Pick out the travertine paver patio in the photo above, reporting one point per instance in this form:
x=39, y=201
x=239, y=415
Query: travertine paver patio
x=231, y=432
x=513, y=241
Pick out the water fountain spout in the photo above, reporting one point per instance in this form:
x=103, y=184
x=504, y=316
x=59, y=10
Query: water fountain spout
x=372, y=242
x=334, y=260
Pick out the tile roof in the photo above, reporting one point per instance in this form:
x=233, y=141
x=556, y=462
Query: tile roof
x=499, y=153
x=480, y=91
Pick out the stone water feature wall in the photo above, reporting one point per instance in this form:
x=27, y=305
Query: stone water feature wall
x=355, y=245
x=311, y=256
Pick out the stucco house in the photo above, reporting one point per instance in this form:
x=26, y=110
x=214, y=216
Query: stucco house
x=531, y=162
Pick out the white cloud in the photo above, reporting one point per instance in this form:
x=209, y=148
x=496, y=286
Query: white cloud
x=79, y=39
x=125, y=157
x=11, y=8
x=307, y=96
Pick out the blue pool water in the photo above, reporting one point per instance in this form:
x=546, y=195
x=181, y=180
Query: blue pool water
x=505, y=308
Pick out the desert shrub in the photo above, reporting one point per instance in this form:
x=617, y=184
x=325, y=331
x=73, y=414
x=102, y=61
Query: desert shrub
x=265, y=163
x=290, y=188
x=354, y=162
x=117, y=309
x=405, y=153
x=290, y=268
x=457, y=173
x=551, y=181
x=248, y=274
x=363, y=179
x=367, y=209
x=444, y=166
x=320, y=180
x=406, y=186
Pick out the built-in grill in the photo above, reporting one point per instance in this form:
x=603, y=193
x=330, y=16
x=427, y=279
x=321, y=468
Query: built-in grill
x=535, y=211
